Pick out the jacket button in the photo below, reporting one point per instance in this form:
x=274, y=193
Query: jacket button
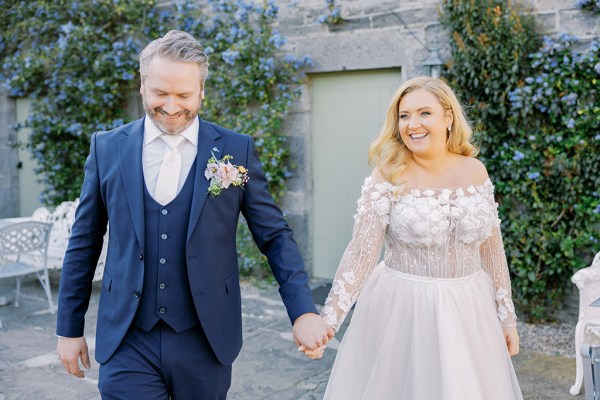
x=137, y=293
x=162, y=261
x=162, y=286
x=162, y=310
x=141, y=256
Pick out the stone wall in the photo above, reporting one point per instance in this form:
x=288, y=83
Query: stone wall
x=9, y=182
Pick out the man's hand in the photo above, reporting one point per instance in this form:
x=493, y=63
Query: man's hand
x=312, y=333
x=69, y=351
x=511, y=336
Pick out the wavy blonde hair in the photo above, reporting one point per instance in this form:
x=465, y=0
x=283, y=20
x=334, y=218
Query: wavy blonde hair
x=389, y=154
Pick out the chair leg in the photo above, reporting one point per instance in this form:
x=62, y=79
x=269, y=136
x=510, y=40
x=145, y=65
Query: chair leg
x=579, y=331
x=18, y=294
x=45, y=282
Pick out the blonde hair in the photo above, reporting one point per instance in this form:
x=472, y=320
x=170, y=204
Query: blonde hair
x=389, y=154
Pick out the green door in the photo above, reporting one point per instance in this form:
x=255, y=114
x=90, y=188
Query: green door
x=29, y=187
x=347, y=112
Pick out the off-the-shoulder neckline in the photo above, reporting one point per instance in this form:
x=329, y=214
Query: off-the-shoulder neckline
x=407, y=190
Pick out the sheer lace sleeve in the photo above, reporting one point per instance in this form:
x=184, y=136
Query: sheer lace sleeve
x=362, y=253
x=494, y=263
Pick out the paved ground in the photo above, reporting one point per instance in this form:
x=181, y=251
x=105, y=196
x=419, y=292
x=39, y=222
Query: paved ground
x=269, y=366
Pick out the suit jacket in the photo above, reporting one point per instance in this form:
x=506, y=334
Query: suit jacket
x=112, y=192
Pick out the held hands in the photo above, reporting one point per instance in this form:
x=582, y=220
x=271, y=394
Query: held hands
x=511, y=336
x=69, y=351
x=311, y=334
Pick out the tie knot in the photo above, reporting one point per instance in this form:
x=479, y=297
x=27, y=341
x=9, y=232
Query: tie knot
x=173, y=141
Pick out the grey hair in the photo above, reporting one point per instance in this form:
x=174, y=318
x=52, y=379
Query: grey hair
x=175, y=46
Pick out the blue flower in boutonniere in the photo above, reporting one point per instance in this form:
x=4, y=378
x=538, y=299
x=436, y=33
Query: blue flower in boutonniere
x=222, y=174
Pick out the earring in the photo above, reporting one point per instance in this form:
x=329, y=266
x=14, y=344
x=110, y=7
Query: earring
x=449, y=127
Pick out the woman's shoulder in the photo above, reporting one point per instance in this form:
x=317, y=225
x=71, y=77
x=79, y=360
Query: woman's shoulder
x=472, y=169
x=377, y=181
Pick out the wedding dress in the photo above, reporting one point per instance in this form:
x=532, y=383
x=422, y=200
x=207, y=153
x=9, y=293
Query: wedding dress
x=428, y=322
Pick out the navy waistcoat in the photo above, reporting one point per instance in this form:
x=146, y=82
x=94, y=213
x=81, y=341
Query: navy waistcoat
x=166, y=292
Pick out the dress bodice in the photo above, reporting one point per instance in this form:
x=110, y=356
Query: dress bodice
x=444, y=234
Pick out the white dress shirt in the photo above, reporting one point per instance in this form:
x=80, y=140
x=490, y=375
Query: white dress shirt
x=154, y=151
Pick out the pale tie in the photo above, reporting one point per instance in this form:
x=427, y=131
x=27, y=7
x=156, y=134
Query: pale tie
x=168, y=177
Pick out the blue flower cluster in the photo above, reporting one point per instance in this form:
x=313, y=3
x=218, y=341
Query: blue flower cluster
x=592, y=5
x=333, y=16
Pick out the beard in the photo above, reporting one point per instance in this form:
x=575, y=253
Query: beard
x=162, y=123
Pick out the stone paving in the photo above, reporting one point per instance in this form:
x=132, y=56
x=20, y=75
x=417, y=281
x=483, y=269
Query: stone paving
x=269, y=366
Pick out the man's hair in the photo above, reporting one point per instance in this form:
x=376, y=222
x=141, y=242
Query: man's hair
x=175, y=46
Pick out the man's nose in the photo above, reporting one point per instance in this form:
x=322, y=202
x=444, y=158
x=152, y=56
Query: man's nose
x=170, y=105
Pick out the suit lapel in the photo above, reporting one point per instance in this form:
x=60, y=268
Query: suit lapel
x=208, y=144
x=130, y=157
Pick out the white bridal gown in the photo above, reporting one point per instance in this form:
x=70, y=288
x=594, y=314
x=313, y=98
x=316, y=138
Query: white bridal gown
x=428, y=321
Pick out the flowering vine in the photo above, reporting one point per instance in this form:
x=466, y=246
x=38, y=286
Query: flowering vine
x=77, y=60
x=535, y=101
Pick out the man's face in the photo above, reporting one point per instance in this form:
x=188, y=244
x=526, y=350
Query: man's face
x=172, y=93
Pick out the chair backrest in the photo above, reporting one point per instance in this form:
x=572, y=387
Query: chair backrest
x=24, y=237
x=62, y=219
x=588, y=283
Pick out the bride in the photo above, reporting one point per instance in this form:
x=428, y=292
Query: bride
x=435, y=318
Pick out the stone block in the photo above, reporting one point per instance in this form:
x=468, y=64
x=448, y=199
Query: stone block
x=413, y=18
x=368, y=49
x=548, y=21
x=436, y=36
x=296, y=124
x=350, y=25
x=297, y=163
x=578, y=23
x=367, y=8
x=298, y=223
x=294, y=202
x=550, y=5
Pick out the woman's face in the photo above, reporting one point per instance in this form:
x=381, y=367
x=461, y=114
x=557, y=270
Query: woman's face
x=423, y=123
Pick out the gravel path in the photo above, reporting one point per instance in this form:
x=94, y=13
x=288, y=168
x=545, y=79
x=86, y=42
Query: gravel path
x=556, y=339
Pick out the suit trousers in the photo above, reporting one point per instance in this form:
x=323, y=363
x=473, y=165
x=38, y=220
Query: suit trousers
x=163, y=364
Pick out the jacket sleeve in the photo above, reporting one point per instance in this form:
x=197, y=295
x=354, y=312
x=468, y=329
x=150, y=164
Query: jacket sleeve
x=83, y=251
x=275, y=240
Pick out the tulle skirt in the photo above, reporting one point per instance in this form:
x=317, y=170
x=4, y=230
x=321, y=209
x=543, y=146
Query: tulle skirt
x=416, y=338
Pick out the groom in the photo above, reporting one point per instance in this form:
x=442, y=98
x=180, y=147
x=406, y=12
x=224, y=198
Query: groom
x=169, y=319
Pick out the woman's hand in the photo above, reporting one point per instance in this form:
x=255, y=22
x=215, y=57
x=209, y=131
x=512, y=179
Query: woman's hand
x=313, y=354
x=511, y=336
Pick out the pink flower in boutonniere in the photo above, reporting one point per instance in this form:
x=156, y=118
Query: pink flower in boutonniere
x=222, y=174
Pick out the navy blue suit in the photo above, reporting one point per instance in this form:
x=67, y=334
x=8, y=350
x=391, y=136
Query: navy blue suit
x=113, y=191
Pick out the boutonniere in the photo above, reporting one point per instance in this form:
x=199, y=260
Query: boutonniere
x=222, y=173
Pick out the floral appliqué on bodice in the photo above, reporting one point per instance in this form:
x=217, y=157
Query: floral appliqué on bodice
x=445, y=234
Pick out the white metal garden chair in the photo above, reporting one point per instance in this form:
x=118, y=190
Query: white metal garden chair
x=588, y=325
x=23, y=251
